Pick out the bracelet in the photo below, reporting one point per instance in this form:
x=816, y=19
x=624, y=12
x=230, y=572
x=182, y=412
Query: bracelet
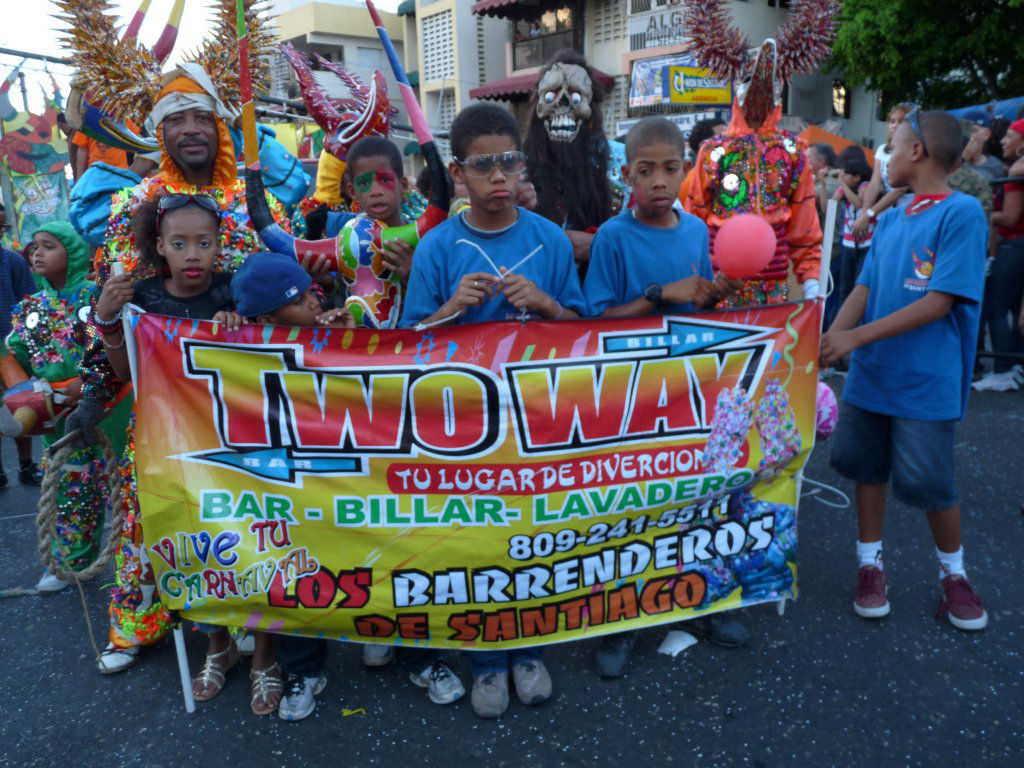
x=108, y=345
x=110, y=331
x=561, y=311
x=101, y=323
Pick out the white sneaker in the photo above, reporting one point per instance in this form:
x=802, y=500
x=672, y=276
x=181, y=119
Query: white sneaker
x=378, y=654
x=114, y=659
x=298, y=699
x=50, y=583
x=997, y=382
x=443, y=686
x=1018, y=374
x=245, y=641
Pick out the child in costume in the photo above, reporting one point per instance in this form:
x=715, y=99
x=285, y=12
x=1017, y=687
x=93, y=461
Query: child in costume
x=178, y=237
x=461, y=274
x=273, y=288
x=50, y=334
x=652, y=258
x=911, y=325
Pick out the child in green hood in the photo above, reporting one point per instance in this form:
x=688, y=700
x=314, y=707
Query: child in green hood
x=50, y=334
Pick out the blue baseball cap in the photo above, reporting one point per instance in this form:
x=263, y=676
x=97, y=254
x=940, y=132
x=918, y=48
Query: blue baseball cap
x=267, y=281
x=978, y=116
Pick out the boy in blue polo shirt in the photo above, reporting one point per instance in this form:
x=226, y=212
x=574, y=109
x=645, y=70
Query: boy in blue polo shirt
x=911, y=324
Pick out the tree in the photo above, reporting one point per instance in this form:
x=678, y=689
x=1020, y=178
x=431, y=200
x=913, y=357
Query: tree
x=942, y=54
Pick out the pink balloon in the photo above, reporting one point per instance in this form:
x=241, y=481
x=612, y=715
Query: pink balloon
x=744, y=246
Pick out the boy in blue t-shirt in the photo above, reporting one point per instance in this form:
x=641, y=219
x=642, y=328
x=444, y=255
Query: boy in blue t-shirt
x=495, y=261
x=630, y=257
x=911, y=323
x=635, y=253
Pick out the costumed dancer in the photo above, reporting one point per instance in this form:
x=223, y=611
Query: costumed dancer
x=50, y=334
x=358, y=251
x=191, y=107
x=567, y=153
x=754, y=166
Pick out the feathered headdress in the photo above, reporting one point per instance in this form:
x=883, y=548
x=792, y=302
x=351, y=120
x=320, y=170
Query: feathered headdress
x=802, y=43
x=124, y=77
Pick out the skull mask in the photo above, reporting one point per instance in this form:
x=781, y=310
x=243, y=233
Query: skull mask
x=563, y=100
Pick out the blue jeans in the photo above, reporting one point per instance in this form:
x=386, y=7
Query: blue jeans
x=1003, y=299
x=869, y=447
x=304, y=656
x=485, y=662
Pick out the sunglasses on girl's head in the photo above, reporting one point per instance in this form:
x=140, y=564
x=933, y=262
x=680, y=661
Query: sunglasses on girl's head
x=914, y=121
x=173, y=202
x=511, y=163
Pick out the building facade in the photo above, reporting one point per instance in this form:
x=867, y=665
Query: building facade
x=640, y=49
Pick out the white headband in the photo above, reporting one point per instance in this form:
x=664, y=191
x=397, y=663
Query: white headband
x=176, y=102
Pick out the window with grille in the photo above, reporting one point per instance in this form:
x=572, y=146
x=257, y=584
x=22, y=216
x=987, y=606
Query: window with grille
x=609, y=20
x=436, y=44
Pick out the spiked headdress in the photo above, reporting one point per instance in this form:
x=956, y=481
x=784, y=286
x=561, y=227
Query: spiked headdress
x=802, y=43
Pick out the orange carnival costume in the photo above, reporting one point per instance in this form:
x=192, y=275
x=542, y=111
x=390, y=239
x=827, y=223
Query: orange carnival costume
x=755, y=167
x=126, y=81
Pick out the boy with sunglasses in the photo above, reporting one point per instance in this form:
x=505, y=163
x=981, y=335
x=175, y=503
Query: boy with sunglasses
x=912, y=323
x=495, y=261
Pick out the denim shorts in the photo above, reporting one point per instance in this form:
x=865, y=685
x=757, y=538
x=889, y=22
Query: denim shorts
x=870, y=447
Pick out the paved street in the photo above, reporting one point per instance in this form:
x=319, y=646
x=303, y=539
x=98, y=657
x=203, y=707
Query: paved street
x=819, y=687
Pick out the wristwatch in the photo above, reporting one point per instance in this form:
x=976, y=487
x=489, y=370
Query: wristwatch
x=653, y=294
x=871, y=213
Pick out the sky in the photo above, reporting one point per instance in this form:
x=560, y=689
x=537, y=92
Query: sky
x=34, y=29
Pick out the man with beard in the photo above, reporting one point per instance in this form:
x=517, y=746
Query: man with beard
x=197, y=157
x=567, y=152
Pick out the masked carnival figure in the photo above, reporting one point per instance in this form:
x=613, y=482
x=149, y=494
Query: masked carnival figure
x=567, y=152
x=373, y=293
x=754, y=166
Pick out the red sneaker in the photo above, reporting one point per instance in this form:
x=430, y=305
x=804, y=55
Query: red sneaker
x=961, y=604
x=871, y=602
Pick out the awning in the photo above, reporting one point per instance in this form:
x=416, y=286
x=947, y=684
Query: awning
x=412, y=148
x=519, y=87
x=413, y=77
x=813, y=134
x=406, y=8
x=511, y=9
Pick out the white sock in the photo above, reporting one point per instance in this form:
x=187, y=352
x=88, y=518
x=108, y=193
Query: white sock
x=951, y=563
x=870, y=553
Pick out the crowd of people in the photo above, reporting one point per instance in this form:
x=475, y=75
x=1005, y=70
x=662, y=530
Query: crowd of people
x=918, y=272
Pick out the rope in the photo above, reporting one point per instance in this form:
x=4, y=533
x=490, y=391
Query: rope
x=46, y=520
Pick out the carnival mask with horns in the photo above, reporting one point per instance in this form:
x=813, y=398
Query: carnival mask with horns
x=367, y=112
x=800, y=45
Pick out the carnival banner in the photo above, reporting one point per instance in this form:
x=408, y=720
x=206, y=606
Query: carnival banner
x=478, y=486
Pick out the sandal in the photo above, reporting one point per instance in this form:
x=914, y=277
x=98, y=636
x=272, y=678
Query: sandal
x=265, y=684
x=211, y=676
x=114, y=659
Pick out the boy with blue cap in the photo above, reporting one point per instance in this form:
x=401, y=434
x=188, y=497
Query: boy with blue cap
x=273, y=288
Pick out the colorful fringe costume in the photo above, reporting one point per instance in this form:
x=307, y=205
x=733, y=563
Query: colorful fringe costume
x=110, y=68
x=49, y=337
